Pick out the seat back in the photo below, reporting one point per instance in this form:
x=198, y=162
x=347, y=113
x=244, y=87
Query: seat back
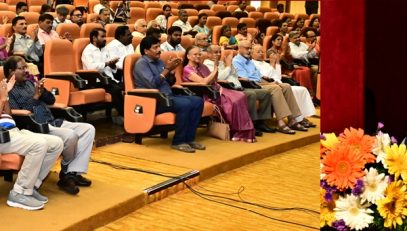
x=137, y=4
x=91, y=4
x=128, y=67
x=250, y=9
x=136, y=41
x=218, y=7
x=36, y=9
x=3, y=6
x=152, y=5
x=136, y=13
x=223, y=14
x=250, y=22
x=6, y=30
x=58, y=56
x=191, y=12
x=31, y=30
x=152, y=13
x=111, y=29
x=72, y=28
x=171, y=20
x=255, y=15
x=231, y=21
x=271, y=15
x=83, y=3
x=232, y=8
x=207, y=12
x=193, y=20
x=199, y=7
x=213, y=21
x=93, y=17
x=87, y=28
x=271, y=30
x=9, y=14
x=282, y=15
x=304, y=16
x=78, y=47
x=263, y=9
x=187, y=41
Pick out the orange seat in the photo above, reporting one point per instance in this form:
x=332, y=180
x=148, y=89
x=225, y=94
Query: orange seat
x=146, y=121
x=213, y=21
x=6, y=30
x=36, y=2
x=271, y=30
x=282, y=15
x=217, y=7
x=232, y=8
x=13, y=2
x=3, y=6
x=36, y=9
x=31, y=30
x=255, y=15
x=304, y=16
x=9, y=14
x=263, y=9
x=271, y=15
x=207, y=12
x=250, y=9
x=191, y=12
x=187, y=41
x=93, y=17
x=114, y=5
x=136, y=41
x=59, y=69
x=314, y=16
x=136, y=13
x=87, y=28
x=152, y=5
x=30, y=17
x=231, y=21
x=71, y=28
x=111, y=29
x=152, y=13
x=250, y=22
x=91, y=5
x=78, y=3
x=193, y=20
x=136, y=4
x=171, y=20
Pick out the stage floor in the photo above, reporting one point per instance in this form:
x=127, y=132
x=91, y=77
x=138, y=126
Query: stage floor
x=117, y=192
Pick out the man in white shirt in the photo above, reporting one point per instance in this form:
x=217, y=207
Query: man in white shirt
x=104, y=17
x=103, y=4
x=201, y=41
x=96, y=57
x=242, y=7
x=173, y=42
x=183, y=23
x=163, y=18
x=62, y=13
x=227, y=72
x=140, y=27
x=273, y=70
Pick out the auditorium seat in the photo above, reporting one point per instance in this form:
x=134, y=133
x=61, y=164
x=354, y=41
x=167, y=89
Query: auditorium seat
x=136, y=13
x=91, y=5
x=93, y=17
x=304, y=16
x=6, y=30
x=231, y=21
x=213, y=21
x=250, y=9
x=111, y=29
x=223, y=14
x=217, y=8
x=187, y=41
x=140, y=117
x=171, y=20
x=199, y=7
x=255, y=15
x=191, y=12
x=250, y=22
x=271, y=30
x=36, y=2
x=7, y=13
x=136, y=4
x=30, y=17
x=193, y=20
x=207, y=12
x=152, y=13
x=263, y=9
x=271, y=15
x=136, y=41
x=72, y=28
x=87, y=28
x=36, y=9
x=232, y=8
x=81, y=3
x=3, y=6
x=152, y=5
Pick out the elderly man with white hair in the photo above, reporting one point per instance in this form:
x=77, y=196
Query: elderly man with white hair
x=272, y=70
x=140, y=27
x=201, y=41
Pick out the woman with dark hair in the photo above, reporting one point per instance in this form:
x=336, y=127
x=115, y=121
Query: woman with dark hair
x=315, y=23
x=298, y=25
x=162, y=19
x=227, y=41
x=45, y=8
x=232, y=104
x=283, y=29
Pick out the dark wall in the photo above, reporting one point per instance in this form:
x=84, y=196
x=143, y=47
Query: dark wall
x=386, y=66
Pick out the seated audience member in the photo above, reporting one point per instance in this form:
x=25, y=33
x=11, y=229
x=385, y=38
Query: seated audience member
x=77, y=16
x=122, y=13
x=104, y=17
x=286, y=19
x=150, y=32
x=227, y=72
x=22, y=44
x=273, y=70
x=78, y=137
x=282, y=97
x=45, y=8
x=154, y=24
x=201, y=26
x=45, y=31
x=280, y=8
x=315, y=23
x=298, y=25
x=233, y=104
x=201, y=41
x=283, y=29
x=151, y=73
x=183, y=23
x=62, y=13
x=242, y=33
x=3, y=49
x=95, y=56
x=173, y=42
x=162, y=19
x=40, y=152
x=311, y=41
x=227, y=41
x=242, y=7
x=21, y=7
x=104, y=4
x=140, y=27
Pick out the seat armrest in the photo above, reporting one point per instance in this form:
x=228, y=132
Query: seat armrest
x=25, y=120
x=249, y=84
x=92, y=75
x=4, y=136
x=152, y=93
x=68, y=113
x=179, y=90
x=202, y=89
x=75, y=79
x=226, y=84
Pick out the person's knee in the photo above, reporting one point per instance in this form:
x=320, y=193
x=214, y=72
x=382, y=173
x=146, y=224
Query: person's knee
x=90, y=129
x=71, y=138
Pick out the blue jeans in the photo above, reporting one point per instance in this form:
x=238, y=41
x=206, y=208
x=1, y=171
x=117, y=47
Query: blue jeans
x=188, y=110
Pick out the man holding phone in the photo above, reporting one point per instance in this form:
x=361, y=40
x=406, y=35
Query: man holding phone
x=95, y=56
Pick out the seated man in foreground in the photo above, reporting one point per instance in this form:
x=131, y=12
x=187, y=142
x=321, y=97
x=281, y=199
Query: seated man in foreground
x=150, y=72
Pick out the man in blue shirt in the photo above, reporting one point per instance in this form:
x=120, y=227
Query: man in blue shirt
x=283, y=99
x=151, y=73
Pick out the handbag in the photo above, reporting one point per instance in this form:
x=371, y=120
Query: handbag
x=221, y=129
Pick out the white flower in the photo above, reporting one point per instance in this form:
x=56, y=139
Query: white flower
x=374, y=186
x=355, y=214
x=382, y=140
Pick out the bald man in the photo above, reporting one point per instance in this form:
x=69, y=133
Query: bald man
x=183, y=23
x=228, y=73
x=201, y=41
x=283, y=99
x=140, y=28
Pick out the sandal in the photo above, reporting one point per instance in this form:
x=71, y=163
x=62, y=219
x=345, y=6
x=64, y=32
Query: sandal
x=183, y=148
x=286, y=130
x=307, y=124
x=298, y=127
x=196, y=145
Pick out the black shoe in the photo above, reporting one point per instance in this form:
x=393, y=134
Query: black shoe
x=258, y=133
x=68, y=185
x=82, y=181
x=265, y=128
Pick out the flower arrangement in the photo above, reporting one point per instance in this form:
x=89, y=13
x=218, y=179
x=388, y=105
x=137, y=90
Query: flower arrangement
x=363, y=182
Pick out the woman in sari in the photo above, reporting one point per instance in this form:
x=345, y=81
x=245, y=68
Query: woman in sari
x=232, y=104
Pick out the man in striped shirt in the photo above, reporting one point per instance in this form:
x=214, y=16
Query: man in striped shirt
x=40, y=152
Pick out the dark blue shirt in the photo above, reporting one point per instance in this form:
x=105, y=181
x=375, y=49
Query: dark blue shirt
x=146, y=74
x=21, y=97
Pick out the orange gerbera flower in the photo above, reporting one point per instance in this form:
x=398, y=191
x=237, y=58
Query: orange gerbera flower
x=343, y=166
x=360, y=142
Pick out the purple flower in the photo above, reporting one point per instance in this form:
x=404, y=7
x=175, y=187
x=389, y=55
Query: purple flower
x=391, y=179
x=380, y=125
x=358, y=189
x=394, y=140
x=328, y=196
x=340, y=225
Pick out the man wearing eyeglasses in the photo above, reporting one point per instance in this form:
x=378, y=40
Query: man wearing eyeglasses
x=201, y=41
x=77, y=16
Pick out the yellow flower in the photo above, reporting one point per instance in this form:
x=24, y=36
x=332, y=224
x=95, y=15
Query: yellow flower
x=327, y=213
x=393, y=207
x=396, y=160
x=330, y=140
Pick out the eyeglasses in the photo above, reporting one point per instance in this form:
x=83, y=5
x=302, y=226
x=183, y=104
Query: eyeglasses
x=77, y=15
